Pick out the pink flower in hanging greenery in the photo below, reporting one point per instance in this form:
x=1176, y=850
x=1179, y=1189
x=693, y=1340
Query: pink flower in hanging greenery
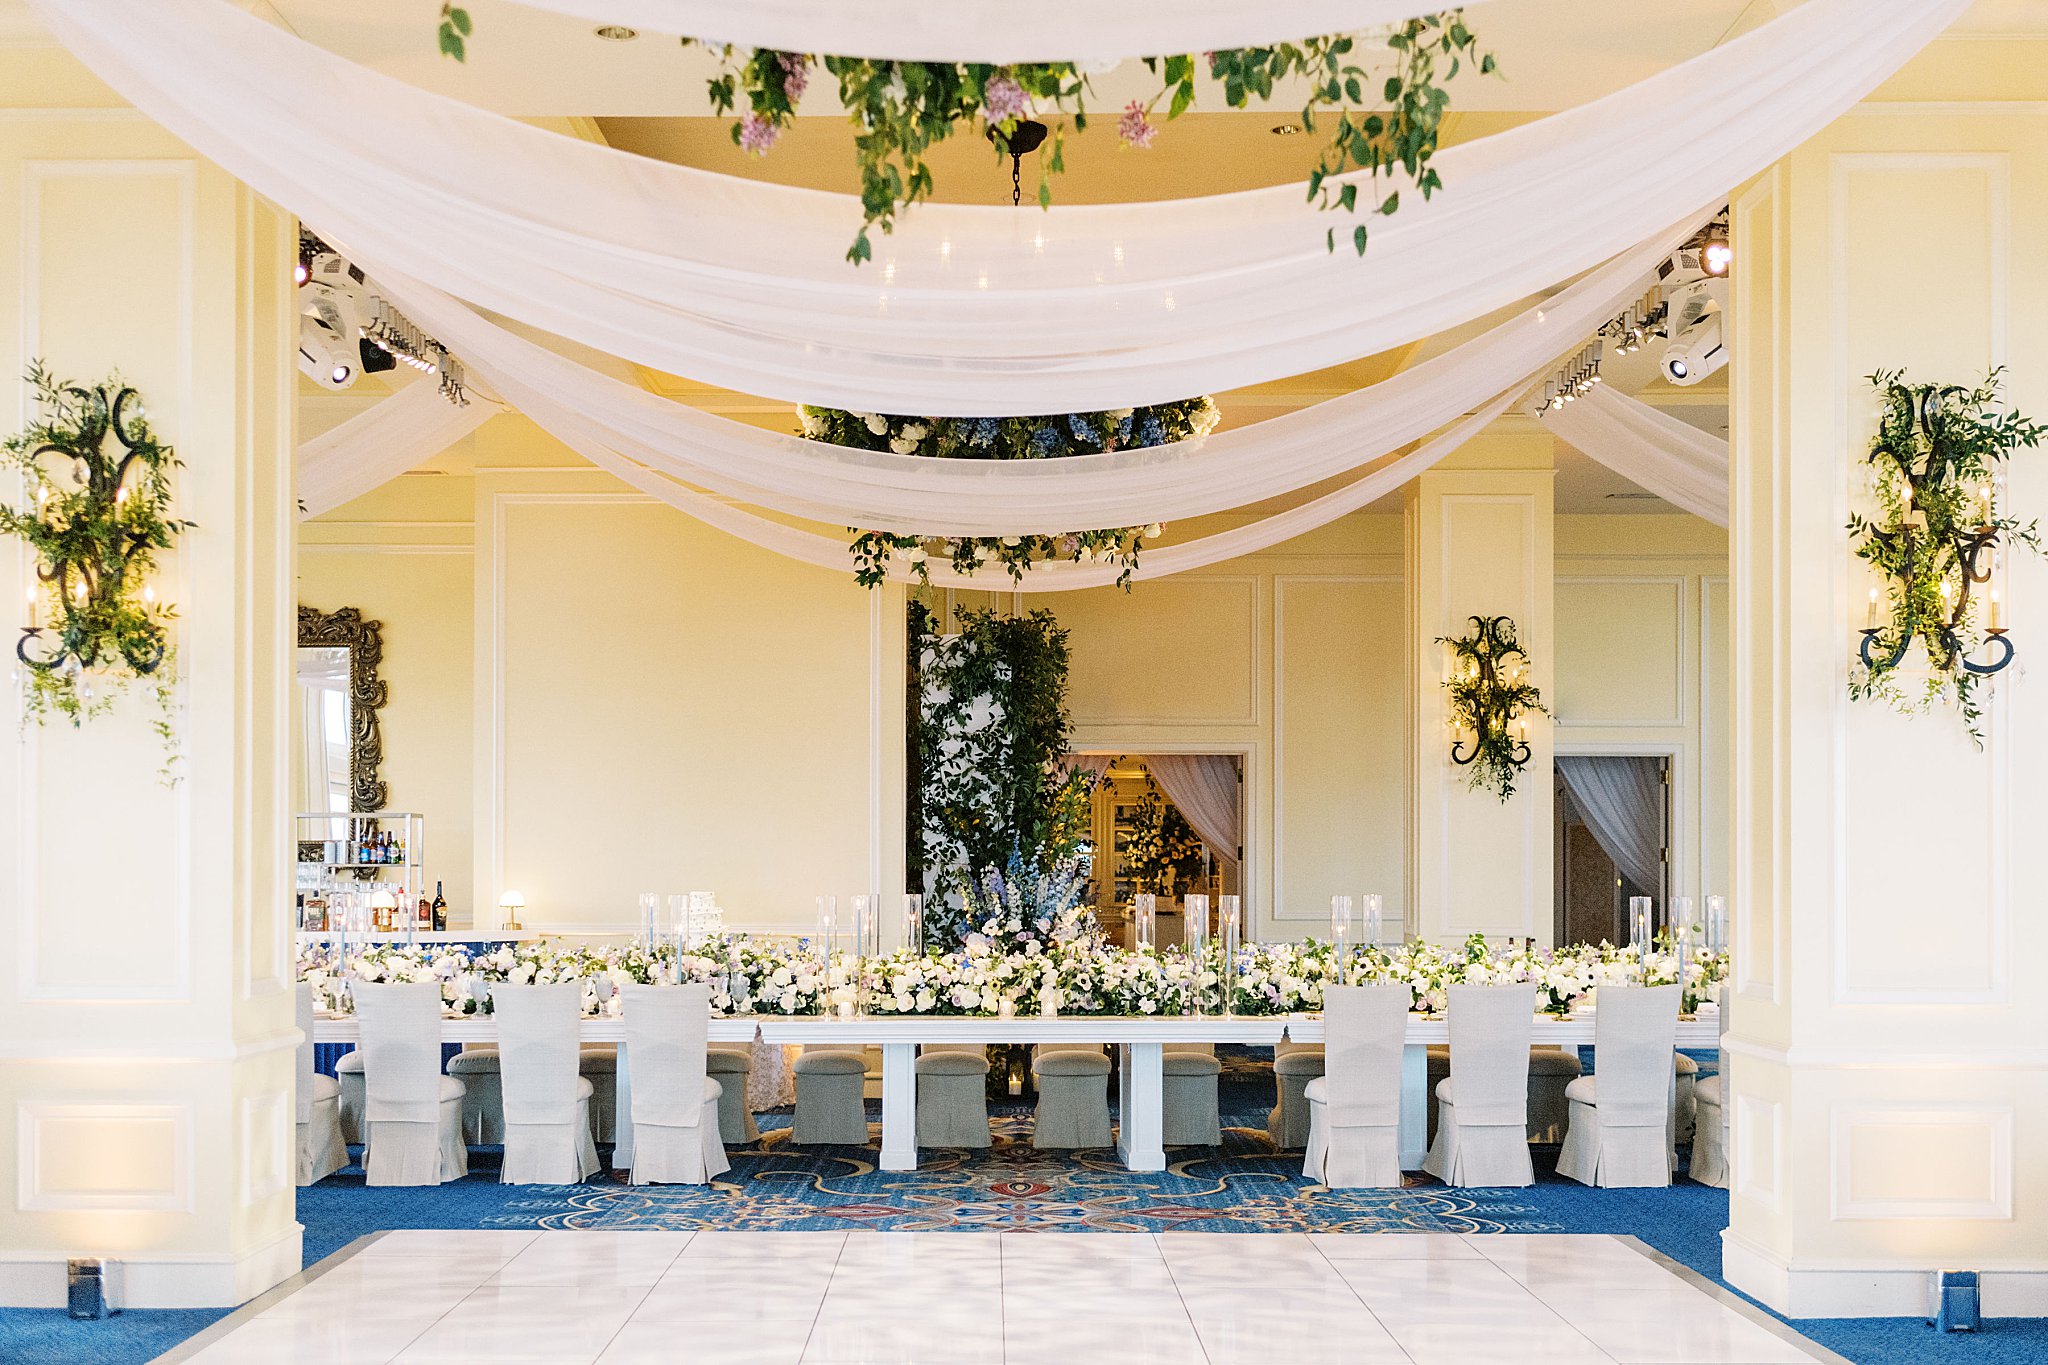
x=1002, y=98
x=1134, y=127
x=796, y=74
x=758, y=134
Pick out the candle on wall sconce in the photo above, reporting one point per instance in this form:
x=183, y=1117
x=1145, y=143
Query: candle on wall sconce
x=1491, y=701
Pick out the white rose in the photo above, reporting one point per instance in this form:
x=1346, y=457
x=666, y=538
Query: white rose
x=877, y=425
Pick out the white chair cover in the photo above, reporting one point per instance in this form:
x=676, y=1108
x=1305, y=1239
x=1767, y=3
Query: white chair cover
x=674, y=1101
x=412, y=1114
x=1709, y=1165
x=1620, y=1133
x=1355, y=1105
x=321, y=1151
x=547, y=1100
x=1482, y=1135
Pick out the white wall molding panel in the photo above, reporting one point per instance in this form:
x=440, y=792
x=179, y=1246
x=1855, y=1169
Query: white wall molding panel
x=1880, y=882
x=143, y=1105
x=1479, y=540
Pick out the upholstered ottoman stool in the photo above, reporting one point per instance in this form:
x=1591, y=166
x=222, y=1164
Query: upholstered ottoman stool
x=829, y=1108
x=1685, y=1077
x=483, y=1095
x=952, y=1095
x=1190, y=1075
x=598, y=1063
x=1551, y=1069
x=348, y=1073
x=1073, y=1100
x=731, y=1067
x=1294, y=1066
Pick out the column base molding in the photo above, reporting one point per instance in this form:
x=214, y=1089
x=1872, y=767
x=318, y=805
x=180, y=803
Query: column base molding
x=1883, y=1290
x=31, y=1279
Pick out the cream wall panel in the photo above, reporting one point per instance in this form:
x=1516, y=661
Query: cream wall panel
x=1179, y=651
x=675, y=709
x=104, y=1158
x=1620, y=652
x=1340, y=752
x=1914, y=1161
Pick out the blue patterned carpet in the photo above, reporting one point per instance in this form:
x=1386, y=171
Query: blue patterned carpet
x=1242, y=1187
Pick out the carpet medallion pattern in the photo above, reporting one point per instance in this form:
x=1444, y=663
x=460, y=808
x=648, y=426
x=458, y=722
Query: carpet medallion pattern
x=1242, y=1187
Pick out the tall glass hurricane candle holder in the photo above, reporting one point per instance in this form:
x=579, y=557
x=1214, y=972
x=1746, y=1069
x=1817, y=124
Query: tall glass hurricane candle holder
x=1228, y=932
x=828, y=930
x=1371, y=919
x=737, y=989
x=1639, y=932
x=676, y=927
x=1682, y=930
x=649, y=902
x=1717, y=924
x=1145, y=919
x=1340, y=937
x=1195, y=938
x=913, y=923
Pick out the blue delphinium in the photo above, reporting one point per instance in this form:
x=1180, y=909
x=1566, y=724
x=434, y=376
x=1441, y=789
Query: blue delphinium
x=1044, y=441
x=1081, y=430
x=1150, y=432
x=1123, y=429
x=984, y=432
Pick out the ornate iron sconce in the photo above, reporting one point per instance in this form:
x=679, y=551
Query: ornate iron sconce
x=1491, y=701
x=98, y=521
x=1939, y=536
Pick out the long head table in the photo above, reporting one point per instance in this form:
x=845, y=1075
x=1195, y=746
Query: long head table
x=1140, y=1040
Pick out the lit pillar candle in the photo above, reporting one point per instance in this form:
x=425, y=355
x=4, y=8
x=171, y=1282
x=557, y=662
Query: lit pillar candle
x=1870, y=615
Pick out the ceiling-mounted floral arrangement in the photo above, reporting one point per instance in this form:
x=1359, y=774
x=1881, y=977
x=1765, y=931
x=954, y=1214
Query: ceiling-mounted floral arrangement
x=1388, y=109
x=1939, y=542
x=97, y=520
x=1007, y=438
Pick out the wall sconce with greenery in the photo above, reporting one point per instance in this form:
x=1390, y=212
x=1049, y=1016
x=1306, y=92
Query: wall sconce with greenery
x=98, y=519
x=1491, y=702
x=1937, y=537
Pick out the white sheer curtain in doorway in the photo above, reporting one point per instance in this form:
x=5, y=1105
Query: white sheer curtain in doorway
x=1205, y=789
x=1621, y=799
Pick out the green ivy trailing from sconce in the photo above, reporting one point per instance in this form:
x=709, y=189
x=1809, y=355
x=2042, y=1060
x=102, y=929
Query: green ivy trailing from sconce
x=96, y=524
x=1937, y=537
x=1491, y=699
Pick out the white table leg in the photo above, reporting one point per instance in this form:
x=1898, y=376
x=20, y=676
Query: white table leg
x=1414, y=1106
x=899, y=1106
x=1140, y=1135
x=622, y=1121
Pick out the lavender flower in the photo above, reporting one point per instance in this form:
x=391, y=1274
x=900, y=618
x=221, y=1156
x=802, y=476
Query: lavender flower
x=757, y=134
x=1135, y=128
x=1002, y=98
x=796, y=74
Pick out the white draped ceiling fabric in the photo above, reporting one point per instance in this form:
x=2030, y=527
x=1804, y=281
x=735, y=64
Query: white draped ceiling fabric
x=382, y=442
x=966, y=310
x=916, y=495
x=1083, y=31
x=1205, y=789
x=1681, y=464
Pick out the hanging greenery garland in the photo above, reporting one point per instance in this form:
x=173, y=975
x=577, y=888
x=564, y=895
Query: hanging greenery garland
x=1937, y=469
x=1387, y=121
x=1007, y=438
x=96, y=524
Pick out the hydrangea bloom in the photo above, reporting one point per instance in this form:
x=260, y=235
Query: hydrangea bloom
x=757, y=134
x=1002, y=98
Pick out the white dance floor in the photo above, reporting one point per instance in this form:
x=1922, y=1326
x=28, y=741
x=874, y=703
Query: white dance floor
x=948, y=1298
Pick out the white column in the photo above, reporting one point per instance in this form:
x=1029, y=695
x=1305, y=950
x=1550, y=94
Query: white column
x=1141, y=1106
x=146, y=1024
x=1479, y=544
x=899, y=1106
x=1889, y=1086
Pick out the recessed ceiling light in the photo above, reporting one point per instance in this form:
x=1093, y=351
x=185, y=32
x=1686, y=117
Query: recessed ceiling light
x=616, y=33
x=1286, y=129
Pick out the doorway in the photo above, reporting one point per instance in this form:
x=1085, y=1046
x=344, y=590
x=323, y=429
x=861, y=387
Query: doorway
x=1613, y=814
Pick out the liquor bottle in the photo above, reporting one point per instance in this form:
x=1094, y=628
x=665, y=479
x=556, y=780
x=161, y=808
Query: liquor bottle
x=440, y=909
x=423, y=916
